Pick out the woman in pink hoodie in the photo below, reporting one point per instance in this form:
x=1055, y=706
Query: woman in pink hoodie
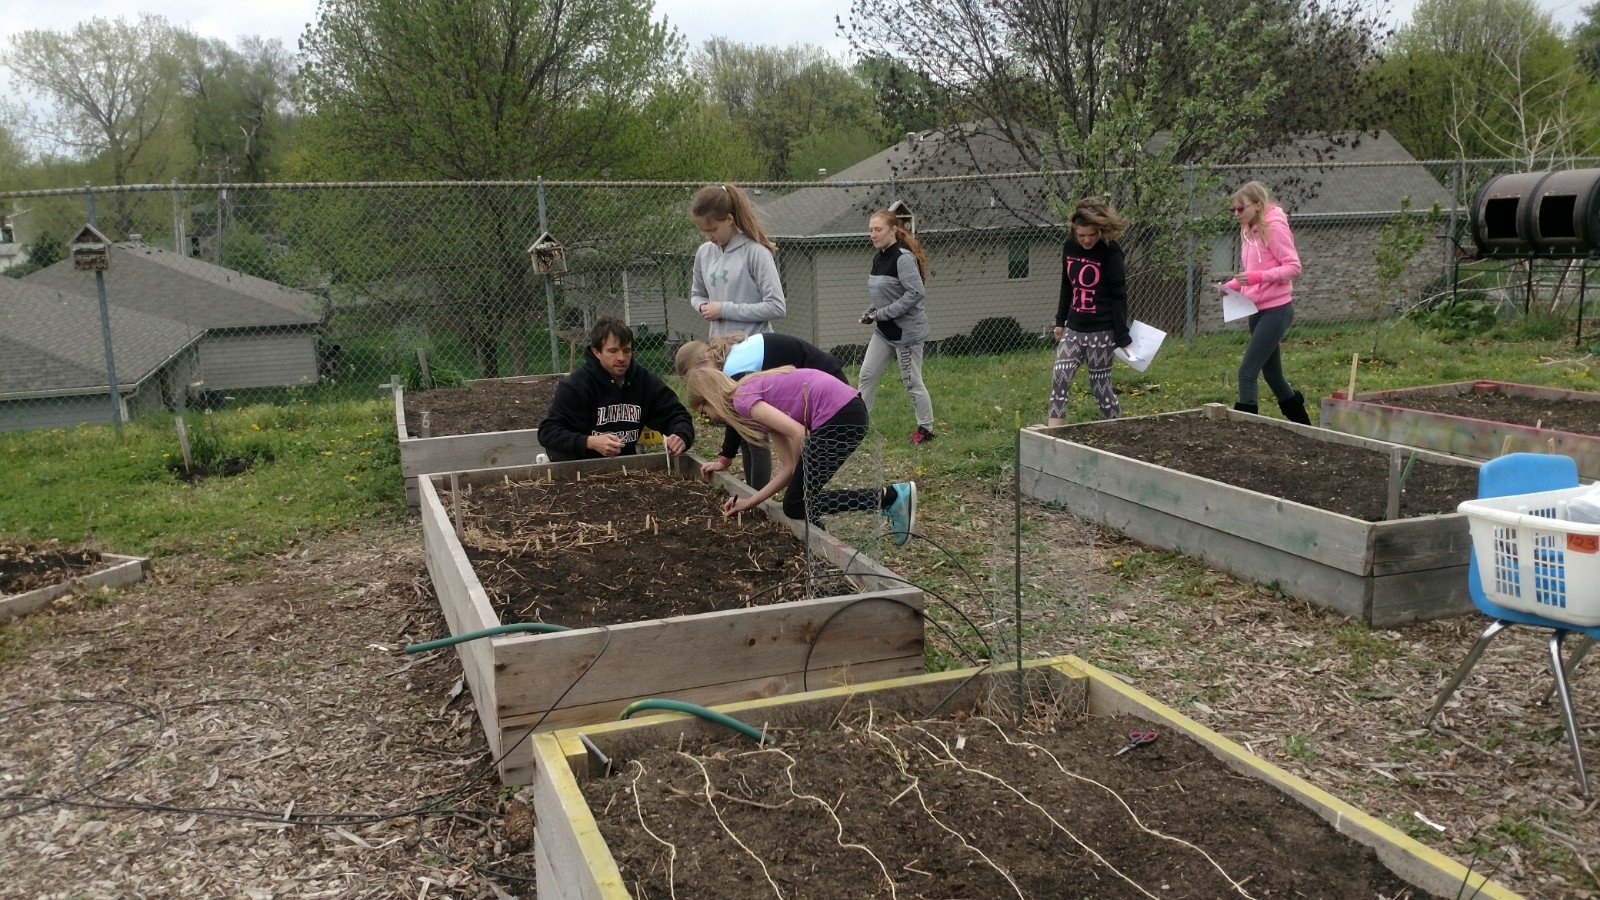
x=1271, y=263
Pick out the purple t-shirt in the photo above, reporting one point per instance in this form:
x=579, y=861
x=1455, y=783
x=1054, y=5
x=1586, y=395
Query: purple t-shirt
x=793, y=392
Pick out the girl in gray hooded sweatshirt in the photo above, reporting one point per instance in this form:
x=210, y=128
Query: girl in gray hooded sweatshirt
x=736, y=287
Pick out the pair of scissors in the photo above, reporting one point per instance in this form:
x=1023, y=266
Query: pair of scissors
x=1136, y=739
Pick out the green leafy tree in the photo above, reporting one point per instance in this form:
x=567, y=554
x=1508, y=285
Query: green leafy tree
x=1035, y=66
x=14, y=155
x=1399, y=242
x=779, y=97
x=111, y=93
x=1585, y=41
x=476, y=90
x=1488, y=78
x=238, y=102
x=46, y=250
x=481, y=89
x=907, y=101
x=1092, y=89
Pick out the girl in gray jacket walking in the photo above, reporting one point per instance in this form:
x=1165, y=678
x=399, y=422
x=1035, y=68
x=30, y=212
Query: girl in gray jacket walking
x=899, y=314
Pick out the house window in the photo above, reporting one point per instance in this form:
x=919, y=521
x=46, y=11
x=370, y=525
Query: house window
x=1017, y=264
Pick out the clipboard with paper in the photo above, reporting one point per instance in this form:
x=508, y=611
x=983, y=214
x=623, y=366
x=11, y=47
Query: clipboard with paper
x=1146, y=341
x=1235, y=306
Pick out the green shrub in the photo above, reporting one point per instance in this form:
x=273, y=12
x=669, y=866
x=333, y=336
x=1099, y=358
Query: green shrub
x=1460, y=316
x=440, y=371
x=849, y=354
x=999, y=335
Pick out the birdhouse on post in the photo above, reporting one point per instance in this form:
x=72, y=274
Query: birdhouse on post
x=904, y=215
x=549, y=257
x=91, y=250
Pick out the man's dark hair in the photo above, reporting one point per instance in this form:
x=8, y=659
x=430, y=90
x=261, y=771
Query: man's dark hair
x=610, y=327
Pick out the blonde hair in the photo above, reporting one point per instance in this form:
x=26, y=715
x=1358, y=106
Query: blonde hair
x=688, y=356
x=904, y=237
x=1097, y=213
x=703, y=353
x=1257, y=193
x=706, y=386
x=720, y=201
x=708, y=390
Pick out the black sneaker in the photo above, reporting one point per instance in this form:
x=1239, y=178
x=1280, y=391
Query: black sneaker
x=922, y=436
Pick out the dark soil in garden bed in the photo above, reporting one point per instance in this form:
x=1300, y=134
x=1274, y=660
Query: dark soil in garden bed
x=28, y=567
x=1263, y=457
x=1576, y=416
x=968, y=807
x=481, y=407
x=628, y=546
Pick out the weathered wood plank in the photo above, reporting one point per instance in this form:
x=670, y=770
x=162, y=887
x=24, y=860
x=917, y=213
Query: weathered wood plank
x=1379, y=572
x=579, y=865
x=462, y=452
x=1375, y=415
x=571, y=861
x=1328, y=538
x=1345, y=592
x=545, y=680
x=121, y=571
x=464, y=603
x=1419, y=543
x=616, y=663
x=516, y=767
x=1413, y=861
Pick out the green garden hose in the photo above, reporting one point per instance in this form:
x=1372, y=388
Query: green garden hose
x=487, y=632
x=709, y=715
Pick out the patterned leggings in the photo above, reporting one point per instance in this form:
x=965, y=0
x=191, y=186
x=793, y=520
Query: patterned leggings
x=1095, y=348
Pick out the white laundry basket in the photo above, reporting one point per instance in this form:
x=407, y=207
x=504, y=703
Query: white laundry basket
x=1532, y=558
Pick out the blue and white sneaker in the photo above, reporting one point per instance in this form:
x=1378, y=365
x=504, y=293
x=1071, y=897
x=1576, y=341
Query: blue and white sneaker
x=902, y=513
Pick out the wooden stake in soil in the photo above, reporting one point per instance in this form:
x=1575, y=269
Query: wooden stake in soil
x=1355, y=360
x=425, y=427
x=1392, y=511
x=1505, y=445
x=183, y=443
x=422, y=363
x=455, y=501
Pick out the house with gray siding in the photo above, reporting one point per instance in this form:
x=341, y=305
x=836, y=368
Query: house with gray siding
x=993, y=237
x=53, y=371
x=253, y=333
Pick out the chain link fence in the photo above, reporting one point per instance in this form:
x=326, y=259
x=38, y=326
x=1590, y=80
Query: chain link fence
x=217, y=294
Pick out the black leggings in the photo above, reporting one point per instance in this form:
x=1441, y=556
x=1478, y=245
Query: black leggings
x=824, y=452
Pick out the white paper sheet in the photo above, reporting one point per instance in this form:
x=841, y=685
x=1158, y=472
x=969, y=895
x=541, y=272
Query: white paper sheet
x=1146, y=341
x=1235, y=306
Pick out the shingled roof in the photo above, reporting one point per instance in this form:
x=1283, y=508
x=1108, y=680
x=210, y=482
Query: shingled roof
x=34, y=360
x=181, y=288
x=989, y=185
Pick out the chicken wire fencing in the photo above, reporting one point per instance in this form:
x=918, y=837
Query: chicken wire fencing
x=243, y=293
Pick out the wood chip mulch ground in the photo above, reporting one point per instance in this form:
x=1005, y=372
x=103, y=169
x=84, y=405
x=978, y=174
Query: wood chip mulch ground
x=255, y=730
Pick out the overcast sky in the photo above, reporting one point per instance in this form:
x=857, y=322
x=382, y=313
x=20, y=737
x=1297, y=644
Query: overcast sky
x=773, y=22
x=778, y=22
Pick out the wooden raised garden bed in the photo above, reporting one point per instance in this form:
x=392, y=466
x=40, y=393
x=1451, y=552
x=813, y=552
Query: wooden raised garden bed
x=524, y=682
x=426, y=448
x=1378, y=572
x=112, y=571
x=1557, y=421
x=928, y=786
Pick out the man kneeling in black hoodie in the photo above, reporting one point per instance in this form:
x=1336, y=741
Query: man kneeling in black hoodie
x=599, y=409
